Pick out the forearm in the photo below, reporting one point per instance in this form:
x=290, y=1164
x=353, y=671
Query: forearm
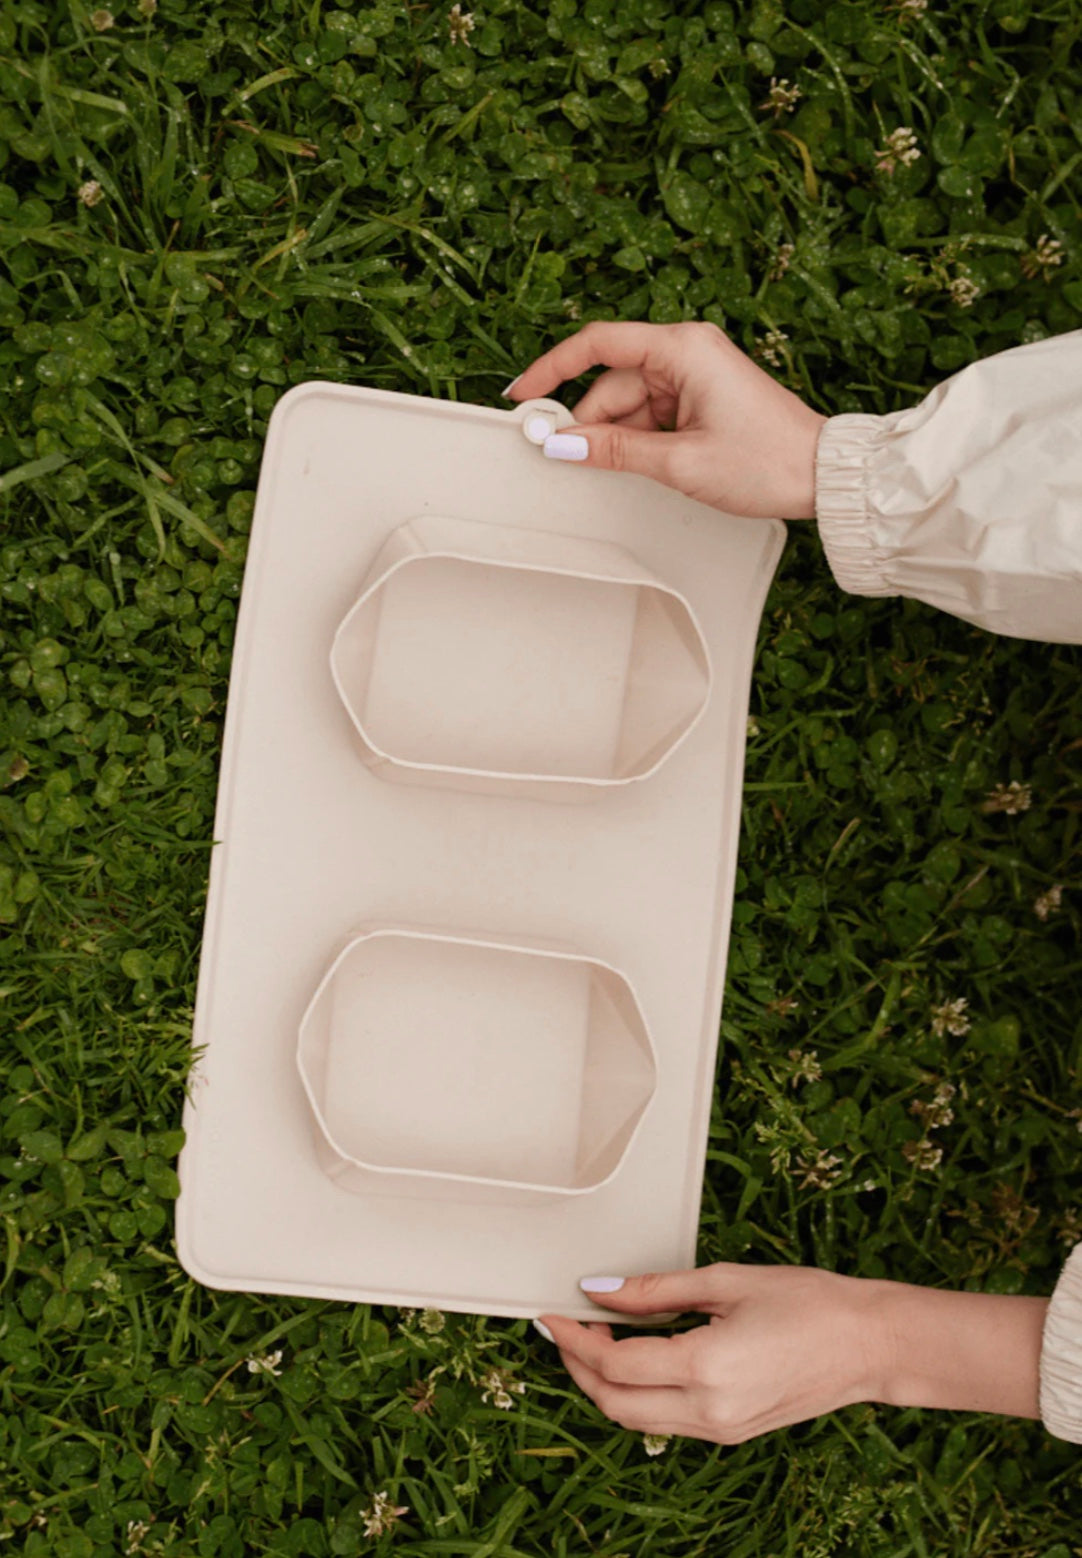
x=967, y=1352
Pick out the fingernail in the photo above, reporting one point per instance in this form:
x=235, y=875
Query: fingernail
x=510, y=387
x=566, y=446
x=601, y=1284
x=545, y=1332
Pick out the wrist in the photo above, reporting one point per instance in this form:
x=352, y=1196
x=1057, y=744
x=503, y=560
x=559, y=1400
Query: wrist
x=960, y=1351
x=803, y=453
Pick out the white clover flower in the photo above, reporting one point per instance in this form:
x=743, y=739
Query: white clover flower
x=963, y=291
x=937, y=1113
x=102, y=20
x=821, y=1174
x=1010, y=798
x=949, y=1017
x=432, y=1321
x=901, y=146
x=869, y=1184
x=1048, y=902
x=133, y=1536
x=147, y=7
x=497, y=1386
x=424, y=1393
x=654, y=1444
x=806, y=1066
x=1069, y=1228
x=911, y=7
x=90, y=192
x=268, y=1364
x=381, y=1516
x=770, y=346
x=922, y=1154
x=459, y=24
x=781, y=261
x=752, y=727
x=1044, y=258
x=658, y=68
x=780, y=1152
x=781, y=96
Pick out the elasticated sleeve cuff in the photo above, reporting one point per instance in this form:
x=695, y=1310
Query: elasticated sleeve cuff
x=1061, y=1355
x=843, y=502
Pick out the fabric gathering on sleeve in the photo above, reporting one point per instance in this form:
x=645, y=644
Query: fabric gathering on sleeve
x=970, y=501
x=1061, y=1354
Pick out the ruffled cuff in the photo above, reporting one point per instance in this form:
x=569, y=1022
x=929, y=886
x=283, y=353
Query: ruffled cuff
x=842, y=501
x=1061, y=1355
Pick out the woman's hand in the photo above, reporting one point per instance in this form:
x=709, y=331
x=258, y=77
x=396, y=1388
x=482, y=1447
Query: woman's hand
x=784, y=1343
x=740, y=441
x=787, y=1343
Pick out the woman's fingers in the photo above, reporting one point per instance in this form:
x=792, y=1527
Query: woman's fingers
x=712, y=1290
x=644, y=1409
x=645, y=418
x=676, y=459
x=635, y=1360
x=616, y=343
x=622, y=395
x=618, y=394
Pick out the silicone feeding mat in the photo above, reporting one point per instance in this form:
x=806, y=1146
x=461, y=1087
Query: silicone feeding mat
x=476, y=839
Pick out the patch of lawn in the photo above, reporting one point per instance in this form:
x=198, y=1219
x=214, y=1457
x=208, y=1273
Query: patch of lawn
x=203, y=202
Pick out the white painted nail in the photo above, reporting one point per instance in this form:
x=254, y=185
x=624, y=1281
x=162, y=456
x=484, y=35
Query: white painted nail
x=566, y=446
x=539, y=1325
x=510, y=387
x=601, y=1284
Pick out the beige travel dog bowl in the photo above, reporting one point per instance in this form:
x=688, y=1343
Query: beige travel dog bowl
x=455, y=1043
x=537, y=1067
x=491, y=658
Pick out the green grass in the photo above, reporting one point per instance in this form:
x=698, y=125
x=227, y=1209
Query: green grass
x=288, y=191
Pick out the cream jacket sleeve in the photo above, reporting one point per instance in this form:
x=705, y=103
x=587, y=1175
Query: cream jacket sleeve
x=1061, y=1354
x=972, y=501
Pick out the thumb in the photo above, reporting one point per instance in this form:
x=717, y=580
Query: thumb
x=614, y=447
x=705, y=1288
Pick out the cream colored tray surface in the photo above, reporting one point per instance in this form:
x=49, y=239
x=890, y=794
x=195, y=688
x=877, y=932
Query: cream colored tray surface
x=469, y=904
